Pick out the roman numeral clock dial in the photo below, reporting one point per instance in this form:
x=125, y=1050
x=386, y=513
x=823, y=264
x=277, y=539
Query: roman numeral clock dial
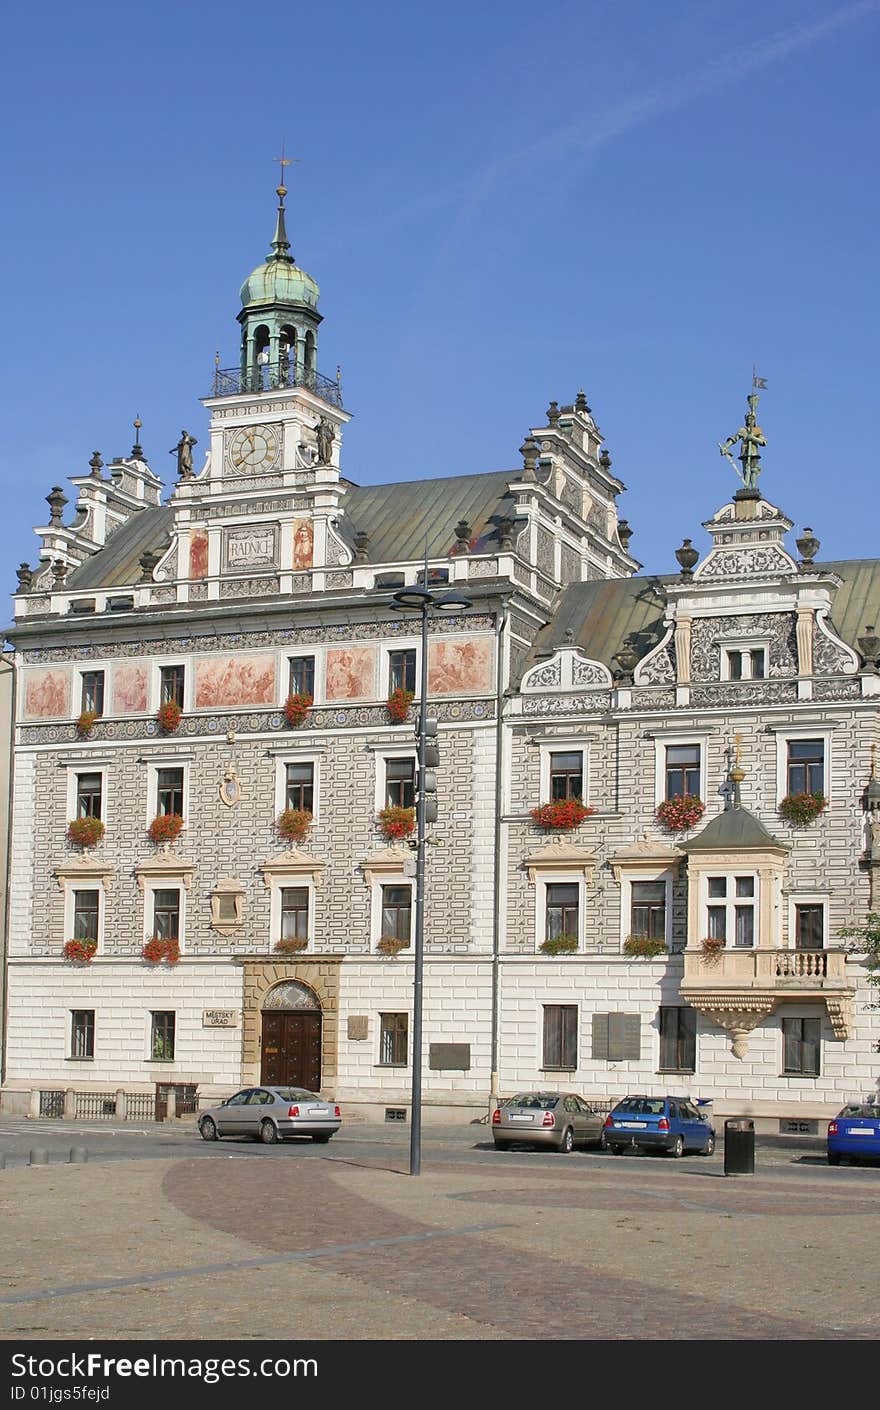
x=252, y=448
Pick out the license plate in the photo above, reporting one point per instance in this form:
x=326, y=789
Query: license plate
x=319, y=1111
x=633, y=1125
x=860, y=1131
x=515, y=1116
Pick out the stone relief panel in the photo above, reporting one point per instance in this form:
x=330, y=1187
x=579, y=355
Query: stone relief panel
x=544, y=557
x=255, y=547
x=743, y=562
x=659, y=669
x=237, y=680
x=598, y=517
x=572, y=495
x=129, y=690
x=836, y=690
x=779, y=627
x=567, y=704
x=249, y=587
x=829, y=658
x=459, y=667
x=752, y=693
x=198, y=554
x=351, y=673
x=340, y=579
x=46, y=693
x=303, y=544
x=571, y=565
x=544, y=677
x=336, y=550
x=589, y=672
x=483, y=568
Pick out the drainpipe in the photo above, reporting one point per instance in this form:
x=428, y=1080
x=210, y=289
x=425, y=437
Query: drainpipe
x=7, y=663
x=500, y=677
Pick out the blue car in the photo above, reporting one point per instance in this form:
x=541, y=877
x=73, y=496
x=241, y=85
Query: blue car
x=671, y=1124
x=854, y=1133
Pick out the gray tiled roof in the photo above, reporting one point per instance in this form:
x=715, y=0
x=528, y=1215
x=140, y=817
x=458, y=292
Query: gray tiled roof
x=735, y=827
x=117, y=564
x=400, y=517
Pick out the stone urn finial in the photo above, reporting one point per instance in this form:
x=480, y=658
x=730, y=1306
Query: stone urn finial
x=687, y=557
x=869, y=645
x=96, y=465
x=624, y=533
x=25, y=577
x=56, y=500
x=807, y=546
x=361, y=544
x=553, y=413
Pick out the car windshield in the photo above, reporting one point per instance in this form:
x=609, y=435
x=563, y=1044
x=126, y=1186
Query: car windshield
x=643, y=1106
x=534, y=1101
x=865, y=1110
x=294, y=1094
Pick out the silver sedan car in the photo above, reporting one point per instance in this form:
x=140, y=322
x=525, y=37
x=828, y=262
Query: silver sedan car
x=560, y=1120
x=271, y=1114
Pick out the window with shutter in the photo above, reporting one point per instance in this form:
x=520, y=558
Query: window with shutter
x=617, y=1037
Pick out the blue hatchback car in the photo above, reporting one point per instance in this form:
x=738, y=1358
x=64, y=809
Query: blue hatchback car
x=855, y=1133
x=671, y=1124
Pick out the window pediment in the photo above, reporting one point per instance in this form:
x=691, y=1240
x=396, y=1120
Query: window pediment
x=167, y=866
x=560, y=856
x=294, y=864
x=390, y=861
x=84, y=870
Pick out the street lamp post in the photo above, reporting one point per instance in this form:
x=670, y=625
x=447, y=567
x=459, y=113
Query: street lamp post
x=421, y=599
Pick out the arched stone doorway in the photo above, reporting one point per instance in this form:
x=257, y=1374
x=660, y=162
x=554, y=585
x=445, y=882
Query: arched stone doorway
x=290, y=1053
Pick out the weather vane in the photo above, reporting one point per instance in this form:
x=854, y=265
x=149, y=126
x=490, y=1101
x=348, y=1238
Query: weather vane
x=751, y=437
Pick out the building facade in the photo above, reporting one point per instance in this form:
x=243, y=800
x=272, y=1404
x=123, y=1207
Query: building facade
x=215, y=770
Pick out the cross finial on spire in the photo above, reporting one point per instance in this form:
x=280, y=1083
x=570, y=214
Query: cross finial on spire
x=281, y=244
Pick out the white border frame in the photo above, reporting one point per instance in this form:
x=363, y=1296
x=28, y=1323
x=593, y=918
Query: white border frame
x=153, y=766
x=390, y=879
x=795, y=732
x=662, y=739
x=278, y=882
x=391, y=751
x=730, y=900
x=627, y=877
x=162, y=883
x=554, y=878
x=806, y=898
x=71, y=885
x=155, y=685
x=86, y=768
x=298, y=756
x=564, y=745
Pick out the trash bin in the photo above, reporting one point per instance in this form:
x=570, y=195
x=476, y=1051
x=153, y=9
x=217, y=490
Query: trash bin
x=739, y=1147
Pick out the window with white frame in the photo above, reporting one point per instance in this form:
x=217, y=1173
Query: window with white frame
x=400, y=782
x=86, y=904
x=301, y=676
x=82, y=1034
x=169, y=792
x=166, y=909
x=809, y=924
x=805, y=766
x=396, y=911
x=647, y=910
x=299, y=785
x=402, y=670
x=801, y=1047
x=566, y=775
x=731, y=909
x=294, y=913
x=393, y=1039
x=562, y=910
x=172, y=685
x=744, y=663
x=682, y=771
x=92, y=693
x=89, y=794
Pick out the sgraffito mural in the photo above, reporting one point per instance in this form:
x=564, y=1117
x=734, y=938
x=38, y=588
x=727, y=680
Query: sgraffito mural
x=351, y=673
x=198, y=554
x=235, y=680
x=129, y=690
x=303, y=544
x=459, y=666
x=46, y=693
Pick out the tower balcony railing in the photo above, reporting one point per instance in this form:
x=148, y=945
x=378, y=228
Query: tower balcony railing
x=273, y=377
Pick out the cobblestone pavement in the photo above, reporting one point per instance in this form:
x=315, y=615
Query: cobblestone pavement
x=351, y=1247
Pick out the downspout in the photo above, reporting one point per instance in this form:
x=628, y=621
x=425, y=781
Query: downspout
x=500, y=678
x=4, y=952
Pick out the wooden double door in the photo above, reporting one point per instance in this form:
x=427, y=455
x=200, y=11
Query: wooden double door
x=291, y=1050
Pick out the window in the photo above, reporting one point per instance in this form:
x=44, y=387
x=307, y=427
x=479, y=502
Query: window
x=678, y=1040
x=747, y=665
x=393, y=1039
x=82, y=1033
x=566, y=776
x=302, y=676
x=731, y=909
x=647, y=912
x=88, y=795
x=169, y=791
x=162, y=1037
x=171, y=684
x=806, y=766
x=617, y=1037
x=801, y=1046
x=299, y=786
x=92, y=698
x=85, y=915
x=166, y=914
x=400, y=783
x=401, y=671
x=396, y=911
x=682, y=770
x=809, y=926
x=562, y=914
x=294, y=912
x=560, y=1036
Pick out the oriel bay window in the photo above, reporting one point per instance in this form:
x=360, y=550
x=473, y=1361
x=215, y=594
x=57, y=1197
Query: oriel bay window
x=566, y=776
x=169, y=792
x=401, y=671
x=294, y=912
x=88, y=795
x=806, y=766
x=85, y=915
x=559, y=1047
x=396, y=912
x=400, y=783
x=682, y=770
x=647, y=912
x=562, y=913
x=731, y=902
x=299, y=786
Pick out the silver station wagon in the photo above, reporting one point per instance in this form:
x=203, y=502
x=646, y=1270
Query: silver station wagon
x=560, y=1120
x=271, y=1114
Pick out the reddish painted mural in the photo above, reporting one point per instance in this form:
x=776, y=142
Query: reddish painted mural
x=235, y=680
x=460, y=666
x=351, y=673
x=129, y=690
x=47, y=693
x=303, y=543
x=198, y=554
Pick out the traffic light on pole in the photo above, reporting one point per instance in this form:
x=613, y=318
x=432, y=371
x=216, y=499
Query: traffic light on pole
x=428, y=775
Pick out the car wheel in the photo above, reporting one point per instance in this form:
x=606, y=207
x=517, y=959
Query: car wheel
x=566, y=1145
x=207, y=1129
x=268, y=1133
x=710, y=1146
x=677, y=1147
x=502, y=1145
x=617, y=1150
x=322, y=1140
x=833, y=1159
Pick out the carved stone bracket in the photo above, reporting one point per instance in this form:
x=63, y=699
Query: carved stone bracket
x=839, y=1008
x=738, y=1016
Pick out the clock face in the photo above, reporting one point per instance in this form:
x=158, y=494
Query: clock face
x=253, y=448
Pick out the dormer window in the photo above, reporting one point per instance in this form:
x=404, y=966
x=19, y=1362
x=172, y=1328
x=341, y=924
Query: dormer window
x=746, y=664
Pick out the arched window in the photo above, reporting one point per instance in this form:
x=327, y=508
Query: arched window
x=287, y=355
x=310, y=352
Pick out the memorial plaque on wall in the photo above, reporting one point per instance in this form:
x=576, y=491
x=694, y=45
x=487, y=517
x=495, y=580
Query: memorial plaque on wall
x=449, y=1057
x=358, y=1027
x=220, y=1018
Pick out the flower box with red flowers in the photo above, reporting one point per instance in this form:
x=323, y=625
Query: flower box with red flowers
x=85, y=832
x=391, y=945
x=168, y=716
x=397, y=823
x=293, y=824
x=86, y=721
x=399, y=702
x=293, y=945
x=643, y=947
x=560, y=945
x=166, y=827
x=296, y=707
x=681, y=813
x=156, y=950
x=800, y=809
x=80, y=951
x=562, y=816
x=712, y=946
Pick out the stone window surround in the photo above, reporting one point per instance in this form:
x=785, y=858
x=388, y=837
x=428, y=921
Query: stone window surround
x=165, y=883
x=562, y=744
x=820, y=730
x=81, y=883
x=410, y=642
x=230, y=888
x=293, y=868
x=90, y=668
x=543, y=879
x=86, y=766
x=806, y=898
x=384, y=752
x=661, y=739
x=154, y=688
x=745, y=644
x=382, y=878
x=301, y=752
x=154, y=763
x=630, y=872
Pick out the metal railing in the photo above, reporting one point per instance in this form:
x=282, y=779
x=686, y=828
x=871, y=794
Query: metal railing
x=52, y=1105
x=95, y=1106
x=272, y=376
x=140, y=1106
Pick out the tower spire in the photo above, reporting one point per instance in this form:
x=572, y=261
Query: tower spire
x=280, y=242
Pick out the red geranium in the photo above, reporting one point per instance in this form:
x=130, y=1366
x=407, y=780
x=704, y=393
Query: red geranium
x=156, y=950
x=80, y=950
x=165, y=828
x=679, y=814
x=397, y=823
x=168, y=716
x=399, y=702
x=296, y=707
x=85, y=832
x=562, y=816
x=293, y=824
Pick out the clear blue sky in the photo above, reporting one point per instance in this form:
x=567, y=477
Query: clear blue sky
x=501, y=202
